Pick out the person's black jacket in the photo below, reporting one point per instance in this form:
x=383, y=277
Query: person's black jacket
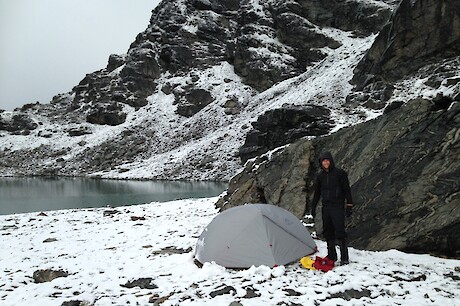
x=332, y=186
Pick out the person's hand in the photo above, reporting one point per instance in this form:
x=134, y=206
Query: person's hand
x=348, y=210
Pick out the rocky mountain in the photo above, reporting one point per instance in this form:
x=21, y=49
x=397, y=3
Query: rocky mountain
x=211, y=84
x=179, y=104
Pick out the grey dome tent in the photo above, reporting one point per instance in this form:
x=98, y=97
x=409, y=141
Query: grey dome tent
x=254, y=234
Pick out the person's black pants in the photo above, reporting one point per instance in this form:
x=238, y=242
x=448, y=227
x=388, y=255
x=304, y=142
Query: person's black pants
x=334, y=222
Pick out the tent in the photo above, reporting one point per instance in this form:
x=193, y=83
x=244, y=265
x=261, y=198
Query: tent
x=254, y=234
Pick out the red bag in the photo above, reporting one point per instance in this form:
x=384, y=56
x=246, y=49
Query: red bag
x=324, y=264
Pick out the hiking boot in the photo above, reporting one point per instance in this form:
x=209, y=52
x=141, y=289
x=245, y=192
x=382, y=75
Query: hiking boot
x=343, y=245
x=331, y=252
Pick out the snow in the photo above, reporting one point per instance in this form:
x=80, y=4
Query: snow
x=101, y=252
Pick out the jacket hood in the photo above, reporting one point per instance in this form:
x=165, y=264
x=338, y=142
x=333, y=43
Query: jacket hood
x=326, y=155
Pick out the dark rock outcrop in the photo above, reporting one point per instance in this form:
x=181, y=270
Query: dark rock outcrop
x=109, y=114
x=361, y=17
x=403, y=168
x=421, y=40
x=281, y=126
x=193, y=101
x=420, y=32
x=223, y=289
x=19, y=124
x=407, y=189
x=75, y=303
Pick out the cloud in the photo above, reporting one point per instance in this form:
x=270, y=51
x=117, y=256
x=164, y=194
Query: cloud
x=48, y=46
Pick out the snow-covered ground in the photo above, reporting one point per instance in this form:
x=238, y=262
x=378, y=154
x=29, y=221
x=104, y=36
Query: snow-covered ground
x=104, y=249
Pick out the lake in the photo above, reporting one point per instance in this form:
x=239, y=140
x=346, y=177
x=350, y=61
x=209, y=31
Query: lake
x=36, y=194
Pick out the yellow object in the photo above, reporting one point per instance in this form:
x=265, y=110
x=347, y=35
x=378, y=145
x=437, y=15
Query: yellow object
x=307, y=263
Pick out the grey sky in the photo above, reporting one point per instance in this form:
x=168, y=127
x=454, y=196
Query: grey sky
x=48, y=46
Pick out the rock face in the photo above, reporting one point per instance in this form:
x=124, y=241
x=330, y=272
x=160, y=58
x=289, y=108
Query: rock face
x=266, y=44
x=403, y=168
x=361, y=17
x=419, y=32
x=407, y=191
x=263, y=61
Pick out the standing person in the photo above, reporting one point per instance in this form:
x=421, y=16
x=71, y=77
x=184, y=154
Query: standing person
x=332, y=186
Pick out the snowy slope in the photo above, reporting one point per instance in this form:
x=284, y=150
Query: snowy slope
x=102, y=251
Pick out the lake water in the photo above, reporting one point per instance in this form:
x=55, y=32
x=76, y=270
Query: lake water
x=34, y=194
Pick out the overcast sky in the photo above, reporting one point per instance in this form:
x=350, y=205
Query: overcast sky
x=48, y=46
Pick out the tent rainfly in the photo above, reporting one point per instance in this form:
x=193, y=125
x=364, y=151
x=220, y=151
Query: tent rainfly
x=254, y=235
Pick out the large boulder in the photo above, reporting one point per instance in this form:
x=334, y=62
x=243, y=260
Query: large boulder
x=403, y=168
x=284, y=125
x=277, y=178
x=193, y=101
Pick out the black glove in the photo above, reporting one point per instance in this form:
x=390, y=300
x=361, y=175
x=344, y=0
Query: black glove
x=348, y=211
